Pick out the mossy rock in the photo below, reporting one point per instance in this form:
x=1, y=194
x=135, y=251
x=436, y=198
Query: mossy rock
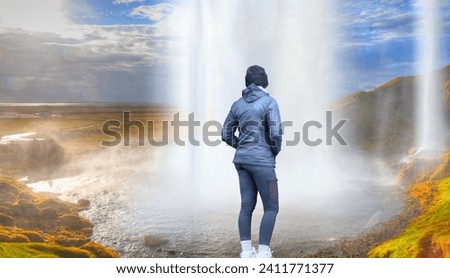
x=88, y=231
x=33, y=236
x=24, y=195
x=62, y=252
x=100, y=251
x=74, y=222
x=60, y=206
x=25, y=208
x=48, y=214
x=7, y=186
x=8, y=198
x=19, y=238
x=5, y=210
x=5, y=237
x=7, y=220
x=71, y=241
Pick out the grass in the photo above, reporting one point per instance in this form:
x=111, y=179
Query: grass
x=41, y=250
x=428, y=235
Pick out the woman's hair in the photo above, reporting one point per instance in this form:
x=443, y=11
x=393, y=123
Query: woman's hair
x=256, y=75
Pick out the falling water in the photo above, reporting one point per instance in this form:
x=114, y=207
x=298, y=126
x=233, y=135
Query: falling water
x=430, y=117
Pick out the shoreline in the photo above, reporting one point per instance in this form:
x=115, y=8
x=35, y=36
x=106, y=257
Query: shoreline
x=41, y=225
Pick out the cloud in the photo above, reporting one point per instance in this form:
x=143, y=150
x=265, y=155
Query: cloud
x=153, y=12
x=367, y=23
x=42, y=16
x=95, y=63
x=116, y=2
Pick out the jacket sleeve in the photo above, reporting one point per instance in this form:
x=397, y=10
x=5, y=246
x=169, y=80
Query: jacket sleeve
x=275, y=129
x=229, y=128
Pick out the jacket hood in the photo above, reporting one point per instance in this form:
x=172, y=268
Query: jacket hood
x=252, y=93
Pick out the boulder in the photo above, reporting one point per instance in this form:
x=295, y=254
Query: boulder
x=32, y=236
x=154, y=240
x=24, y=208
x=4, y=237
x=74, y=222
x=84, y=203
x=48, y=214
x=99, y=251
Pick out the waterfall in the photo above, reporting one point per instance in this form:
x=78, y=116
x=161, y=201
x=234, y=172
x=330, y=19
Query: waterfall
x=292, y=40
x=430, y=117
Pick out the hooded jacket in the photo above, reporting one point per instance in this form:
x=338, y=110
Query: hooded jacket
x=257, y=118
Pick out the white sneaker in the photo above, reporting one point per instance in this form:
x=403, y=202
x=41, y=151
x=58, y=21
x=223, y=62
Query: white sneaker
x=248, y=254
x=264, y=254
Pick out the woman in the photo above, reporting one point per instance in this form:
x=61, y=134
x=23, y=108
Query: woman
x=257, y=117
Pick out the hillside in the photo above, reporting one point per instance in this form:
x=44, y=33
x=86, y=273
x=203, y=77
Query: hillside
x=382, y=120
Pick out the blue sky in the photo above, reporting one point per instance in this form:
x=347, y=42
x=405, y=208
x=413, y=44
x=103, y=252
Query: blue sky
x=112, y=12
x=117, y=42
x=381, y=39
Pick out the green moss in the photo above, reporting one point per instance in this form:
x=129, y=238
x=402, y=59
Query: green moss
x=41, y=250
x=432, y=225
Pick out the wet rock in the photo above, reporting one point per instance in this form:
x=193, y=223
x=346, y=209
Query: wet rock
x=84, y=203
x=170, y=252
x=154, y=240
x=417, y=170
x=415, y=153
x=443, y=170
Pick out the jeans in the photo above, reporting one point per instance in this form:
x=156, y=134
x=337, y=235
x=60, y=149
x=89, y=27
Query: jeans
x=254, y=179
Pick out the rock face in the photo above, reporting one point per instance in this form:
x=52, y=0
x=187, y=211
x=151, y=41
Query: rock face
x=382, y=121
x=26, y=216
x=422, y=169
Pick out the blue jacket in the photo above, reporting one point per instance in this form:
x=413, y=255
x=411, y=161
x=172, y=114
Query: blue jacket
x=257, y=118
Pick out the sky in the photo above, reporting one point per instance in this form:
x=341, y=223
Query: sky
x=120, y=50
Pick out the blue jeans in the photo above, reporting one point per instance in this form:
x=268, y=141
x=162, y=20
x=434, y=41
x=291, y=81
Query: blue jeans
x=254, y=179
